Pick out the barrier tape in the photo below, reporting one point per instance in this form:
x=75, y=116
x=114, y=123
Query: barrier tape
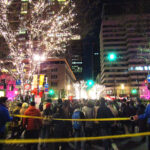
x=62, y=119
x=25, y=141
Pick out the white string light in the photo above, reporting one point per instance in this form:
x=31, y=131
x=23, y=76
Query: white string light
x=45, y=34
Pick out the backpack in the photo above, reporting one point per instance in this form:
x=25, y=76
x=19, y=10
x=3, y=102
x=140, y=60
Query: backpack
x=76, y=124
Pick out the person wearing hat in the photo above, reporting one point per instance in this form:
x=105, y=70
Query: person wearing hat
x=4, y=118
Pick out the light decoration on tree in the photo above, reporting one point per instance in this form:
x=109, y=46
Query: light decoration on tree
x=47, y=35
x=97, y=92
x=80, y=90
x=94, y=93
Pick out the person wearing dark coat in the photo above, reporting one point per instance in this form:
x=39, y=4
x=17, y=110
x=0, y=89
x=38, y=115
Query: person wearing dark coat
x=141, y=122
x=105, y=126
x=59, y=129
x=4, y=118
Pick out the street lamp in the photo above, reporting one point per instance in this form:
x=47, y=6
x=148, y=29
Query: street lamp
x=112, y=58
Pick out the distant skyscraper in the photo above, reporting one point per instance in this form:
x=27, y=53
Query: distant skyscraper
x=76, y=56
x=124, y=33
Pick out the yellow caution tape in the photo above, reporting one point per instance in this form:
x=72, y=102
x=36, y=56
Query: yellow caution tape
x=25, y=116
x=63, y=119
x=98, y=119
x=25, y=141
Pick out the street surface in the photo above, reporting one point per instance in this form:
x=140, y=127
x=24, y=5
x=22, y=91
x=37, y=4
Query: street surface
x=120, y=144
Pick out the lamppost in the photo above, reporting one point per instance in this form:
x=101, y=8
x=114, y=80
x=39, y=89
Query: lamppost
x=38, y=59
x=112, y=58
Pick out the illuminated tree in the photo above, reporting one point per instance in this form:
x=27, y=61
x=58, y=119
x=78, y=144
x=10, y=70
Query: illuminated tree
x=45, y=35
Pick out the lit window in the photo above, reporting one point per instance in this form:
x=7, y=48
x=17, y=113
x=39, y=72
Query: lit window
x=24, y=8
x=22, y=31
x=145, y=68
x=77, y=63
x=96, y=53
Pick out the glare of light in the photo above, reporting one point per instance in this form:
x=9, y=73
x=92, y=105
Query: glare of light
x=92, y=94
x=43, y=57
x=2, y=93
x=68, y=87
x=16, y=92
x=36, y=57
x=122, y=86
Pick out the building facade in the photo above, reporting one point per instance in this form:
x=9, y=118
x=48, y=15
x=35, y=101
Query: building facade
x=124, y=36
x=60, y=76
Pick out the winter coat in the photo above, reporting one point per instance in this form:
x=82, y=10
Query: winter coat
x=16, y=120
x=104, y=112
x=89, y=114
x=146, y=114
x=4, y=117
x=31, y=123
x=47, y=113
x=60, y=129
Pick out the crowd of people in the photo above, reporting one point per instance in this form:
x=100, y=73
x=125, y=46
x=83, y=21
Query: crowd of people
x=34, y=128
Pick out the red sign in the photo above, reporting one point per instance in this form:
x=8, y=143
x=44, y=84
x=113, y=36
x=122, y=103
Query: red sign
x=27, y=86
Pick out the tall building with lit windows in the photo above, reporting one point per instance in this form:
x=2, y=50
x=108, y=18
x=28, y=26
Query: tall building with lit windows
x=125, y=32
x=76, y=55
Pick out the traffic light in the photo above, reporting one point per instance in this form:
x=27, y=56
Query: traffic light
x=112, y=56
x=134, y=91
x=90, y=83
x=51, y=92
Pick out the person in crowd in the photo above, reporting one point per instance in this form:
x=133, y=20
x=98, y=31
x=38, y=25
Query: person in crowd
x=60, y=130
x=78, y=126
x=105, y=126
x=88, y=111
x=32, y=125
x=115, y=114
x=96, y=123
x=4, y=118
x=145, y=115
x=126, y=112
x=22, y=111
x=96, y=107
x=113, y=109
x=16, y=122
x=141, y=122
x=23, y=108
x=132, y=113
x=46, y=123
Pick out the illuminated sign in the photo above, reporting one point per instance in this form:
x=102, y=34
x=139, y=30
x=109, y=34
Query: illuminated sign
x=2, y=93
x=41, y=80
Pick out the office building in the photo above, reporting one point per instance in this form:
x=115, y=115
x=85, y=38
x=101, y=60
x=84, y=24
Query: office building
x=124, y=35
x=76, y=56
x=60, y=76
